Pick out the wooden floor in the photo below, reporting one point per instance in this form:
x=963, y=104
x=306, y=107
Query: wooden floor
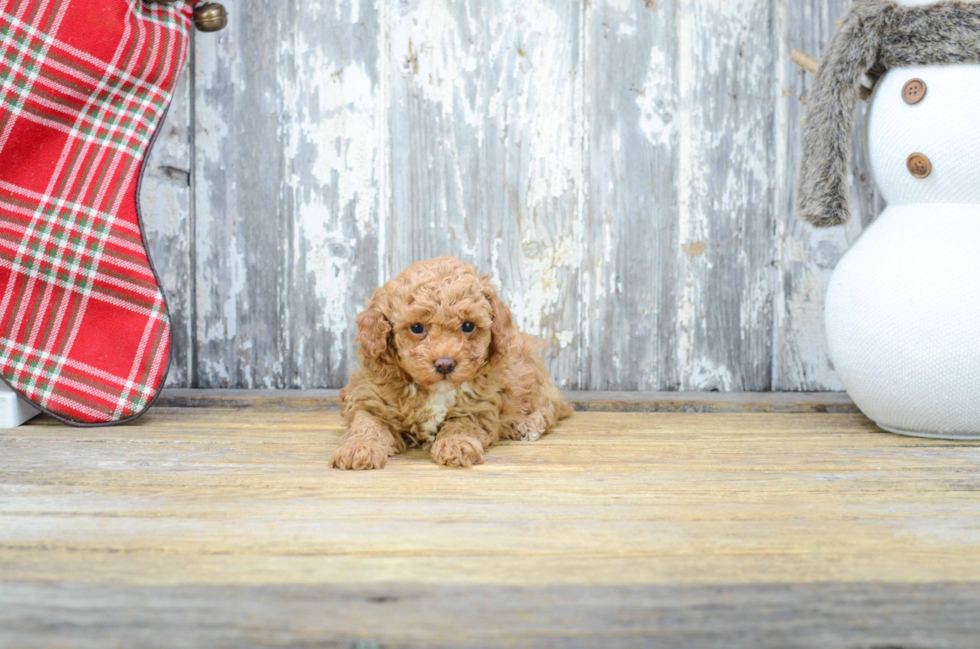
x=223, y=525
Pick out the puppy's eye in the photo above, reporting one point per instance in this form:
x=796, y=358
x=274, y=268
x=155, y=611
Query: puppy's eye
x=417, y=329
x=468, y=327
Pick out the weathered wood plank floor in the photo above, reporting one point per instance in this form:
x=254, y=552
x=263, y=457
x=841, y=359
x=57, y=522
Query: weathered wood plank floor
x=224, y=526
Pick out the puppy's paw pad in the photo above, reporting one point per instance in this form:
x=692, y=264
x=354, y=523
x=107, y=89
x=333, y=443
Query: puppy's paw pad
x=355, y=457
x=457, y=451
x=530, y=429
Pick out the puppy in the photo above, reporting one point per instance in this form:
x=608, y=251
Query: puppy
x=443, y=365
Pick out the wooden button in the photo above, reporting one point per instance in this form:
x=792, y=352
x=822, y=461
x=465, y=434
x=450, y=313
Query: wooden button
x=914, y=91
x=919, y=165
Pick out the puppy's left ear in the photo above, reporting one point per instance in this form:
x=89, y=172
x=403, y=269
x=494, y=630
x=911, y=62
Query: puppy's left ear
x=502, y=329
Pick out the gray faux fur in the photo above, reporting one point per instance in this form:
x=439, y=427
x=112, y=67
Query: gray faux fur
x=875, y=36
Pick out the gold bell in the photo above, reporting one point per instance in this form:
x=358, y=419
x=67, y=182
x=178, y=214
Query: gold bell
x=210, y=17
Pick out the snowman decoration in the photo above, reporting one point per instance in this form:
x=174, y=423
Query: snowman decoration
x=903, y=306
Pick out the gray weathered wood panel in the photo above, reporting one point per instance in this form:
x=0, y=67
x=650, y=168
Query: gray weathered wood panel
x=486, y=152
x=289, y=189
x=806, y=256
x=631, y=215
x=758, y=616
x=333, y=127
x=725, y=56
x=624, y=168
x=241, y=223
x=167, y=220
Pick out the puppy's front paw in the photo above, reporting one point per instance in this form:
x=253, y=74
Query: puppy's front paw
x=459, y=450
x=531, y=428
x=359, y=457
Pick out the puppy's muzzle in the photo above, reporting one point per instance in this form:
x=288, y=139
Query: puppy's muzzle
x=444, y=366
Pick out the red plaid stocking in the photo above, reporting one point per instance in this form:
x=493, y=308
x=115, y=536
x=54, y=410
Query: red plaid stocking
x=84, y=84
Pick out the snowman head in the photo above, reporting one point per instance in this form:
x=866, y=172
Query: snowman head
x=876, y=35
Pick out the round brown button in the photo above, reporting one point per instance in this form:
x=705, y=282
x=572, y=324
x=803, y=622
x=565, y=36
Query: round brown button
x=919, y=165
x=914, y=91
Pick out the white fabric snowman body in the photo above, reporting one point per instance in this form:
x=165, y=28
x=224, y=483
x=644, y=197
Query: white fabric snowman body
x=903, y=306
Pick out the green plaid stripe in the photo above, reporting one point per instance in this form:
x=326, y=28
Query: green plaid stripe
x=61, y=202
x=25, y=358
x=35, y=374
x=129, y=68
x=12, y=60
x=129, y=404
x=159, y=16
x=27, y=372
x=61, y=248
x=48, y=266
x=119, y=116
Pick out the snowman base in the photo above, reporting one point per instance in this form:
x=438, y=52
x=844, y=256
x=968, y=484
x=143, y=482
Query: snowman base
x=903, y=321
x=911, y=433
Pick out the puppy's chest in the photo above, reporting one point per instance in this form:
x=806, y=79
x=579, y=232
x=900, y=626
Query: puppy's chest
x=432, y=414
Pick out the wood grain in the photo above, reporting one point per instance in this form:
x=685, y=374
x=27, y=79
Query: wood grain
x=167, y=211
x=776, y=529
x=290, y=114
x=333, y=127
x=486, y=153
x=628, y=293
x=625, y=169
x=763, y=616
x=724, y=257
x=806, y=256
x=694, y=402
x=241, y=219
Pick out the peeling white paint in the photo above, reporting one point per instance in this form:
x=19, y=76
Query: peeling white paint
x=440, y=62
x=487, y=108
x=691, y=225
x=332, y=108
x=708, y=377
x=345, y=153
x=543, y=291
x=565, y=338
x=626, y=30
x=656, y=112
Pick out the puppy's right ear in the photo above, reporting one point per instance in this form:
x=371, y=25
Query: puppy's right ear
x=373, y=328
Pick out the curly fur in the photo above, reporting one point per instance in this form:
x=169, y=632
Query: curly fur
x=876, y=35
x=396, y=399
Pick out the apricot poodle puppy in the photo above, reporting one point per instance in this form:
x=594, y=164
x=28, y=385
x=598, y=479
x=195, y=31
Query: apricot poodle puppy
x=443, y=365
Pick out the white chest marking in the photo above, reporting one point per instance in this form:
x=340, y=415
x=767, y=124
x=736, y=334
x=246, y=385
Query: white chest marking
x=437, y=409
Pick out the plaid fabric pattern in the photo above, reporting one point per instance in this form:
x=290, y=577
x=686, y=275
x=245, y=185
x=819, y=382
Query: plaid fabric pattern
x=84, y=84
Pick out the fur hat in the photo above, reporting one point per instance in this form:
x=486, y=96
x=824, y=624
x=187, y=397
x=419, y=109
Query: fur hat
x=876, y=35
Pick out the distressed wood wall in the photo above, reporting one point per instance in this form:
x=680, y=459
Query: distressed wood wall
x=624, y=168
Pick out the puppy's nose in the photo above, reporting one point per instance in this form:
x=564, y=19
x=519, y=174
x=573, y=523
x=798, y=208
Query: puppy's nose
x=445, y=366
